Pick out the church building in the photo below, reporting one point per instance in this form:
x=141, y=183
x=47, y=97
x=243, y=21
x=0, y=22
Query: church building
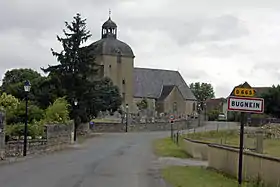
x=165, y=90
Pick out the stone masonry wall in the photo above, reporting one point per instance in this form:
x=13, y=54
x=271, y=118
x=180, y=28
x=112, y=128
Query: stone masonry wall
x=56, y=137
x=59, y=133
x=142, y=127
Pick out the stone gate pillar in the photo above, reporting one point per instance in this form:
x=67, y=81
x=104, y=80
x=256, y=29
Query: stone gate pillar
x=2, y=135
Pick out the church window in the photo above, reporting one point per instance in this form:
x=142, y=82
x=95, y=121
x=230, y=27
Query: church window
x=110, y=66
x=175, y=106
x=193, y=106
x=123, y=81
x=119, y=60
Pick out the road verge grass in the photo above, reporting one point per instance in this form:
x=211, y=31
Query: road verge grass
x=185, y=176
x=167, y=148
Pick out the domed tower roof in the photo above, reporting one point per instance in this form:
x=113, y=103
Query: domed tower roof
x=109, y=24
x=109, y=44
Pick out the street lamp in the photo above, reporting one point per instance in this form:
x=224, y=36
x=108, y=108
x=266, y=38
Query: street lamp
x=27, y=87
x=199, y=111
x=75, y=119
x=205, y=110
x=126, y=121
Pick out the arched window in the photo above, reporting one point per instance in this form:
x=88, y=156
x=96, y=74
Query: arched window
x=175, y=107
x=119, y=57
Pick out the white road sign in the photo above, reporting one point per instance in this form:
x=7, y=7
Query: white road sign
x=246, y=104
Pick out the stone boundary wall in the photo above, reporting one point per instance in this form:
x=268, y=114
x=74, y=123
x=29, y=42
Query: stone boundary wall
x=221, y=124
x=225, y=159
x=59, y=133
x=255, y=165
x=56, y=137
x=196, y=149
x=15, y=148
x=143, y=127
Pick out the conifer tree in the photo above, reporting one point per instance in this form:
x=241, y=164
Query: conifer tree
x=77, y=73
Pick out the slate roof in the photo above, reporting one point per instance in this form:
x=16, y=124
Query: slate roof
x=214, y=103
x=109, y=24
x=261, y=90
x=111, y=46
x=149, y=83
x=166, y=89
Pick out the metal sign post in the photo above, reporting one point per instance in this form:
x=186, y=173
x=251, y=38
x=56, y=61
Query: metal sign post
x=171, y=133
x=171, y=118
x=244, y=104
x=241, y=144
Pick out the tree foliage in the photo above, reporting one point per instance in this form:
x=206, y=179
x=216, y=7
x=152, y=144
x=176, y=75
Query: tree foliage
x=143, y=104
x=108, y=94
x=75, y=62
x=44, y=90
x=57, y=112
x=13, y=81
x=213, y=115
x=272, y=101
x=18, y=130
x=202, y=91
x=8, y=102
x=51, y=97
x=15, y=76
x=77, y=74
x=17, y=115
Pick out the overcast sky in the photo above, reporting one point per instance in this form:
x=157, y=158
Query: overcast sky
x=221, y=42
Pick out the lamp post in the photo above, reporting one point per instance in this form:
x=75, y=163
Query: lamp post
x=126, y=121
x=199, y=111
x=27, y=87
x=75, y=119
x=205, y=110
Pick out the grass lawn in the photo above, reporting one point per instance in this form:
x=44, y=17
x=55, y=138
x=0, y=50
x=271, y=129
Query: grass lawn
x=181, y=176
x=167, y=148
x=231, y=137
x=104, y=120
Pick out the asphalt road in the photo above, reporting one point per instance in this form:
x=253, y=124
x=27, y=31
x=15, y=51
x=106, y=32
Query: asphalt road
x=111, y=160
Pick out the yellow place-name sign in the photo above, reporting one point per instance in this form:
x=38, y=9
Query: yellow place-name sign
x=245, y=92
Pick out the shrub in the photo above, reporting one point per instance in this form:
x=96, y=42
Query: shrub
x=213, y=115
x=58, y=112
x=8, y=102
x=17, y=115
x=18, y=130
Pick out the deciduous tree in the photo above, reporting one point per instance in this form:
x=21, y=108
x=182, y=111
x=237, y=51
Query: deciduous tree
x=202, y=91
x=272, y=101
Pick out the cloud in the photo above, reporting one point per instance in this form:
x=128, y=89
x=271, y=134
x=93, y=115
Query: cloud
x=222, y=42
x=185, y=32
